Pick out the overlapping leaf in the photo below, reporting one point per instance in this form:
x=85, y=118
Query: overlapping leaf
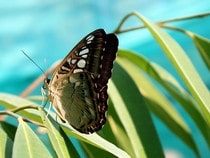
x=27, y=144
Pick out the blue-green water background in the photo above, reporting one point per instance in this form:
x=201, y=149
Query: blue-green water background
x=49, y=29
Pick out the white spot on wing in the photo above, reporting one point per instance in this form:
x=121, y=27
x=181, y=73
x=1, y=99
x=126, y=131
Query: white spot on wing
x=90, y=38
x=85, y=51
x=81, y=63
x=85, y=56
x=69, y=61
x=65, y=68
x=77, y=70
x=102, y=57
x=73, y=61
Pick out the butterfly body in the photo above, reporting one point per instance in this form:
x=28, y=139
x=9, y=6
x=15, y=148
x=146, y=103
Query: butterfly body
x=78, y=87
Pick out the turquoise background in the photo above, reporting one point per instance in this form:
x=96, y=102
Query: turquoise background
x=47, y=30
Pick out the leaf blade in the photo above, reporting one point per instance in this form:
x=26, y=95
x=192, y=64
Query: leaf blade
x=55, y=136
x=136, y=130
x=166, y=80
x=27, y=144
x=6, y=145
x=185, y=69
x=203, y=46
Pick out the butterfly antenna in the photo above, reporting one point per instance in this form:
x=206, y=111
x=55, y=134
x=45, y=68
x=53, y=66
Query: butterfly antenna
x=33, y=62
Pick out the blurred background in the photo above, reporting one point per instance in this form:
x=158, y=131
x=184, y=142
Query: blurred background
x=47, y=30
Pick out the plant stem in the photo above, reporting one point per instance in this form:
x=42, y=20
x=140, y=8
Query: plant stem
x=119, y=30
x=188, y=33
x=18, y=116
x=24, y=107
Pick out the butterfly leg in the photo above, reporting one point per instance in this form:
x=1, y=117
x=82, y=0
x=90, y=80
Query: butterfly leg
x=44, y=96
x=57, y=115
x=60, y=117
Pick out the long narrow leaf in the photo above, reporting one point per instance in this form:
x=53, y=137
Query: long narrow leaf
x=92, y=139
x=6, y=145
x=9, y=129
x=97, y=141
x=55, y=136
x=160, y=105
x=203, y=46
x=115, y=132
x=93, y=152
x=10, y=101
x=173, y=87
x=134, y=115
x=127, y=122
x=121, y=136
x=27, y=144
x=183, y=66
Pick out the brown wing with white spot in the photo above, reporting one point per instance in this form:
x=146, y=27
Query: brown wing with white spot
x=85, y=56
x=79, y=84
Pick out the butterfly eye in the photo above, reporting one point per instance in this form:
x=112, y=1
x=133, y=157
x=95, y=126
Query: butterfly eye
x=46, y=82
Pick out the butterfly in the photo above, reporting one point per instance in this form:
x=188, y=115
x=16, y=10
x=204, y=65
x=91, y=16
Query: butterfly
x=78, y=87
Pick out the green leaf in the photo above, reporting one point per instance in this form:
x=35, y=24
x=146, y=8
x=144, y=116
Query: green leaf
x=131, y=109
x=9, y=129
x=57, y=140
x=166, y=80
x=71, y=148
x=93, y=139
x=27, y=144
x=115, y=132
x=120, y=136
x=93, y=152
x=159, y=104
x=97, y=141
x=10, y=101
x=203, y=46
x=6, y=145
x=183, y=65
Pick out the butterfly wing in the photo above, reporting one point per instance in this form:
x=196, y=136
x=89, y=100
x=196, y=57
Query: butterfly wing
x=78, y=88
